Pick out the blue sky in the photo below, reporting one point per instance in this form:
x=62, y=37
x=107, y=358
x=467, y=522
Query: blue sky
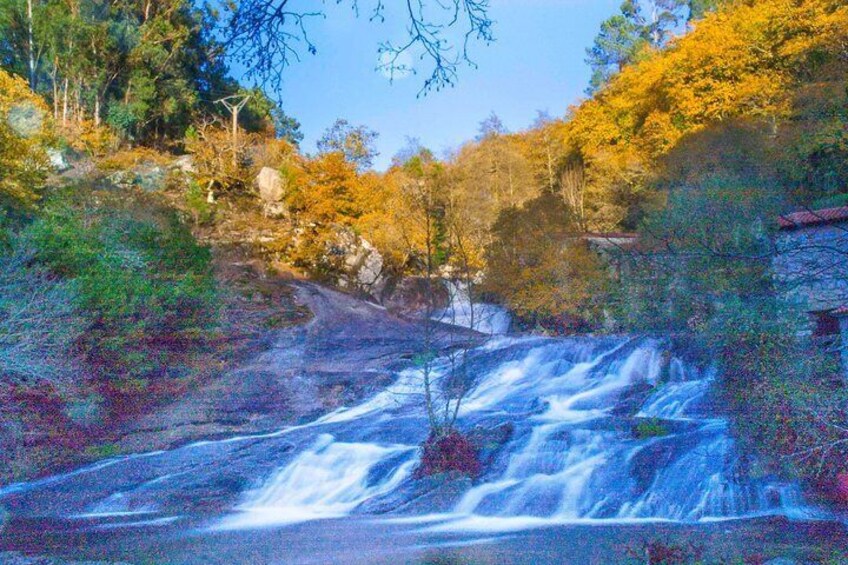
x=535, y=64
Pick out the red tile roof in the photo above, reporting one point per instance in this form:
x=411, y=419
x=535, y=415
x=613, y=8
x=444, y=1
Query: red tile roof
x=812, y=217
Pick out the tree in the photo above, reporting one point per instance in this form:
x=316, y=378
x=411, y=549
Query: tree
x=263, y=115
x=436, y=235
x=410, y=150
x=544, y=148
x=24, y=133
x=490, y=127
x=148, y=69
x=625, y=35
x=495, y=170
x=327, y=196
x=700, y=8
x=618, y=43
x=265, y=35
x=356, y=143
x=286, y=127
x=541, y=267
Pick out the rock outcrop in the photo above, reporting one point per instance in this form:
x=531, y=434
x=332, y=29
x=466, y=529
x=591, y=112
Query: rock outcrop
x=147, y=175
x=272, y=190
x=362, y=264
x=58, y=160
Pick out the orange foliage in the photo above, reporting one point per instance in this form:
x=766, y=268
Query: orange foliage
x=744, y=60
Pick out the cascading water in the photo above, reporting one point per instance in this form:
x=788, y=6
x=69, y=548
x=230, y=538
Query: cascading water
x=573, y=454
x=461, y=311
x=573, y=451
x=327, y=480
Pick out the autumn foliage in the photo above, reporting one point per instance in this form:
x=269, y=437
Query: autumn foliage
x=451, y=452
x=24, y=129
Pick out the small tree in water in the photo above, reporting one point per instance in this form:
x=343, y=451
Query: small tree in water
x=440, y=243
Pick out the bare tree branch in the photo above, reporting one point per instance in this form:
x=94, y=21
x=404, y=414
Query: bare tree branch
x=266, y=36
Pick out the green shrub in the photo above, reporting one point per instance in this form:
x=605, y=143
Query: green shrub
x=102, y=451
x=650, y=427
x=198, y=206
x=39, y=320
x=138, y=274
x=778, y=389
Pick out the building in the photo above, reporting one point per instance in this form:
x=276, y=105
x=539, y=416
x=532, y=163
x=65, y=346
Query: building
x=811, y=270
x=811, y=264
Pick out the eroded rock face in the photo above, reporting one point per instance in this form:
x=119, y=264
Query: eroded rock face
x=184, y=164
x=271, y=185
x=362, y=263
x=146, y=175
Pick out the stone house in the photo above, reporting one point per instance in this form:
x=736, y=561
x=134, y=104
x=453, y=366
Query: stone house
x=811, y=264
x=811, y=270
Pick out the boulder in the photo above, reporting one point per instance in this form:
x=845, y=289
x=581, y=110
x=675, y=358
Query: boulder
x=362, y=263
x=26, y=119
x=271, y=185
x=184, y=164
x=367, y=263
x=149, y=176
x=58, y=160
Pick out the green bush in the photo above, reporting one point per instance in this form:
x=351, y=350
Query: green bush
x=103, y=451
x=139, y=275
x=779, y=389
x=650, y=427
x=198, y=206
x=712, y=280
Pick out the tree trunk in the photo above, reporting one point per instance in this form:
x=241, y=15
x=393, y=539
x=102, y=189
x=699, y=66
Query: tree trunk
x=31, y=42
x=80, y=113
x=55, y=94
x=65, y=104
x=551, y=181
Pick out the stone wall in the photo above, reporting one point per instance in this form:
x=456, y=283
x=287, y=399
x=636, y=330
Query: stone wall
x=811, y=266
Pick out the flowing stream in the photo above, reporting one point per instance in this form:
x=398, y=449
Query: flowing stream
x=574, y=453
x=569, y=430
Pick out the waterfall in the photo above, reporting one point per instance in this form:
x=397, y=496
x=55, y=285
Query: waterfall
x=599, y=429
x=485, y=318
x=574, y=455
x=327, y=480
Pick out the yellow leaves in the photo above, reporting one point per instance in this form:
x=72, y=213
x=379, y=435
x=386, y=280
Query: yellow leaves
x=332, y=192
x=743, y=61
x=24, y=132
x=825, y=30
x=15, y=92
x=218, y=163
x=128, y=159
x=659, y=134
